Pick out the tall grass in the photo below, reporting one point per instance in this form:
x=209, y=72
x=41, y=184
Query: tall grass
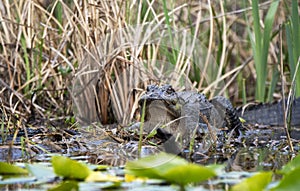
x=174, y=46
x=293, y=44
x=260, y=45
x=44, y=47
x=28, y=68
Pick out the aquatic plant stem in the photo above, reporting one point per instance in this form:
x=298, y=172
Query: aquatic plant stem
x=288, y=108
x=141, y=129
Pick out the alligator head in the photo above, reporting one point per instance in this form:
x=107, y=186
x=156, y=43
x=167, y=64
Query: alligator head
x=163, y=100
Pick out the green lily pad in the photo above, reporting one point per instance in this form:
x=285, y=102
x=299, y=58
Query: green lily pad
x=169, y=167
x=289, y=181
x=290, y=166
x=188, y=173
x=6, y=168
x=254, y=183
x=69, y=169
x=147, y=166
x=290, y=171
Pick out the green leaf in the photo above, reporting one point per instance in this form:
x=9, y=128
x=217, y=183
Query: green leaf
x=260, y=45
x=69, y=168
x=66, y=186
x=255, y=183
x=152, y=133
x=147, y=166
x=289, y=182
x=290, y=166
x=196, y=173
x=293, y=43
x=6, y=168
x=170, y=168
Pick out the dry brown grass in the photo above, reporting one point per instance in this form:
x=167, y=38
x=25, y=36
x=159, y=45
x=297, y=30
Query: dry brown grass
x=98, y=55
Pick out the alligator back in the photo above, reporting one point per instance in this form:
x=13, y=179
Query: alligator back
x=270, y=114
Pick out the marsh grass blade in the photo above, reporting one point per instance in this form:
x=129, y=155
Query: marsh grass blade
x=293, y=43
x=260, y=45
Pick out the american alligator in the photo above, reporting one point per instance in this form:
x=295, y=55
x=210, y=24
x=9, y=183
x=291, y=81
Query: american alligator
x=164, y=104
x=190, y=112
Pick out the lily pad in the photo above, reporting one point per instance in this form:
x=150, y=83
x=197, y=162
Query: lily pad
x=255, y=183
x=293, y=164
x=69, y=169
x=289, y=181
x=169, y=167
x=188, y=173
x=6, y=168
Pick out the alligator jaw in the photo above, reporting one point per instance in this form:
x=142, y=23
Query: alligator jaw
x=160, y=107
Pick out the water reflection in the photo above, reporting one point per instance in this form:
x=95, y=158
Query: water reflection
x=256, y=159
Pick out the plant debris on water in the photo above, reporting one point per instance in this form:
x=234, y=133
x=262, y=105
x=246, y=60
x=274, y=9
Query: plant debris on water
x=72, y=75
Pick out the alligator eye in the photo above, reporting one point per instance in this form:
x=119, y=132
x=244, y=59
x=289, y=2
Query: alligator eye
x=170, y=90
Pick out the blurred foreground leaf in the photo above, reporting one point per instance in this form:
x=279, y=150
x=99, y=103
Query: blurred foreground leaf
x=6, y=168
x=289, y=181
x=69, y=169
x=169, y=167
x=254, y=183
x=290, y=166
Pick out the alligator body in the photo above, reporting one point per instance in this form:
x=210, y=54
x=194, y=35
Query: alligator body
x=271, y=114
x=193, y=112
x=188, y=113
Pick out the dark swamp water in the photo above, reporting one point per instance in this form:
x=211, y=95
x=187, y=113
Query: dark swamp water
x=259, y=148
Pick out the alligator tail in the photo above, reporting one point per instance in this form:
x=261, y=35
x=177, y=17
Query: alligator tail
x=270, y=114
